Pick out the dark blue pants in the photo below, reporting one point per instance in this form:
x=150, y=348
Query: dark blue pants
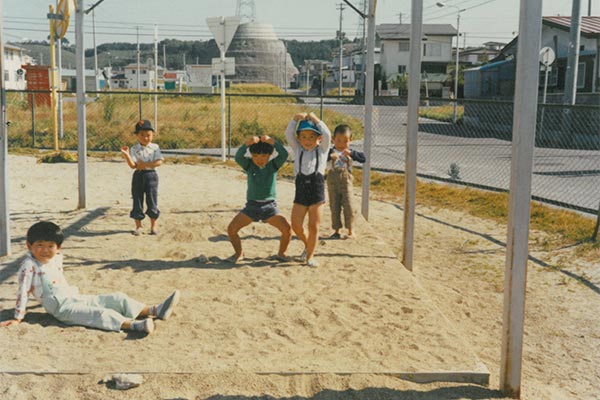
x=144, y=183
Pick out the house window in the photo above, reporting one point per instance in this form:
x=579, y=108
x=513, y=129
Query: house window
x=6, y=75
x=403, y=46
x=401, y=69
x=145, y=84
x=432, y=49
x=581, y=76
x=133, y=71
x=144, y=72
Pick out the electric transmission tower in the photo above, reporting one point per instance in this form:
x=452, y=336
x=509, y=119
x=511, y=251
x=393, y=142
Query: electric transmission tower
x=246, y=10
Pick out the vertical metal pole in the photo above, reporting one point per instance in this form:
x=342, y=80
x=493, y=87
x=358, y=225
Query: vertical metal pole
x=229, y=126
x=223, y=126
x=33, y=120
x=573, y=59
x=139, y=85
x=60, y=99
x=414, y=91
x=524, y=124
x=81, y=111
x=155, y=78
x=95, y=52
x=4, y=211
x=165, y=56
x=456, y=69
x=369, y=88
x=307, y=75
x=341, y=49
x=53, y=78
x=285, y=71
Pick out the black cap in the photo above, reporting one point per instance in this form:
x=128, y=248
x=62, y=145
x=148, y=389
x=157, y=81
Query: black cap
x=143, y=125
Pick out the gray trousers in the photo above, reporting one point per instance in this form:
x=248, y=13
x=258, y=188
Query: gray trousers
x=105, y=311
x=339, y=188
x=144, y=184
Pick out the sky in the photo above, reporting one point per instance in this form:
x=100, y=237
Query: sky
x=305, y=20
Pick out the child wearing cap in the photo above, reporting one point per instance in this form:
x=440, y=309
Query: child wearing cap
x=144, y=157
x=261, y=170
x=339, y=180
x=310, y=139
x=41, y=274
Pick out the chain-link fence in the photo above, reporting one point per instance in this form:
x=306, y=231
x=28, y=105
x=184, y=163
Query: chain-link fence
x=464, y=142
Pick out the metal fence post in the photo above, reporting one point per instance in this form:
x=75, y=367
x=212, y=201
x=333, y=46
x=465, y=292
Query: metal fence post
x=595, y=234
x=229, y=127
x=33, y=120
x=321, y=110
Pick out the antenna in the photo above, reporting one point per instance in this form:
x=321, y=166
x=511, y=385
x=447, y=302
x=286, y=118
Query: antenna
x=246, y=10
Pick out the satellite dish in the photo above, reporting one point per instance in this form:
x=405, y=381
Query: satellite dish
x=65, y=7
x=547, y=56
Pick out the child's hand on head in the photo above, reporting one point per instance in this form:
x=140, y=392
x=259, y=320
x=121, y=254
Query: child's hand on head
x=313, y=118
x=300, y=116
x=267, y=139
x=251, y=140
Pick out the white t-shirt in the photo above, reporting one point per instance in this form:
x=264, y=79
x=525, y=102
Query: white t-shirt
x=145, y=153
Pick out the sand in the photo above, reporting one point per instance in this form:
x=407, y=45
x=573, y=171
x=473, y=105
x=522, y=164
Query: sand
x=240, y=327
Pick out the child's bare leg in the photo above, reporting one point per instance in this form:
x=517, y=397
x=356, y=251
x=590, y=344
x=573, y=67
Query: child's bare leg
x=152, y=224
x=298, y=213
x=144, y=313
x=138, y=223
x=279, y=222
x=314, y=220
x=237, y=223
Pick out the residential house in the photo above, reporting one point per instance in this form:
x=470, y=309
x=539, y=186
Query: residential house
x=480, y=54
x=394, y=41
x=146, y=76
x=118, y=80
x=352, y=61
x=496, y=80
x=14, y=74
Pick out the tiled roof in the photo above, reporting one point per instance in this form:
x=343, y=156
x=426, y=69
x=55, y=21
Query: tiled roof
x=590, y=26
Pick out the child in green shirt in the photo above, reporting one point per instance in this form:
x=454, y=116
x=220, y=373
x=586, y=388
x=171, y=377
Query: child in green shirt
x=260, y=196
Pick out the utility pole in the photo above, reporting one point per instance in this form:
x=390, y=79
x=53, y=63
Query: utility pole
x=341, y=37
x=4, y=213
x=573, y=59
x=165, y=56
x=307, y=62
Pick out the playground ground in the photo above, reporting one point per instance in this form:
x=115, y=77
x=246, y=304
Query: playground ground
x=240, y=328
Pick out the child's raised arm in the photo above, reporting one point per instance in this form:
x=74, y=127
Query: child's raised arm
x=290, y=132
x=240, y=154
x=130, y=162
x=325, y=132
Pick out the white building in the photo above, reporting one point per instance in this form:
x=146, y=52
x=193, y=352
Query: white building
x=146, y=74
x=14, y=75
x=394, y=41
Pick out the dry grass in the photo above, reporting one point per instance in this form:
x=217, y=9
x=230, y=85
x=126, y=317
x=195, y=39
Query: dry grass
x=183, y=121
x=442, y=113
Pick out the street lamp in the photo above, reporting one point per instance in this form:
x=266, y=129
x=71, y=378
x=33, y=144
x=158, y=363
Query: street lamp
x=459, y=10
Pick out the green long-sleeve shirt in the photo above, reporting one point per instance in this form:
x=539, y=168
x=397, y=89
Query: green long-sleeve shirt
x=261, y=181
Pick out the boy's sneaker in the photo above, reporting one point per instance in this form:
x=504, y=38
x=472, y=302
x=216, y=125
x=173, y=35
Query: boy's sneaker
x=145, y=325
x=154, y=231
x=312, y=263
x=336, y=235
x=137, y=232
x=165, y=309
